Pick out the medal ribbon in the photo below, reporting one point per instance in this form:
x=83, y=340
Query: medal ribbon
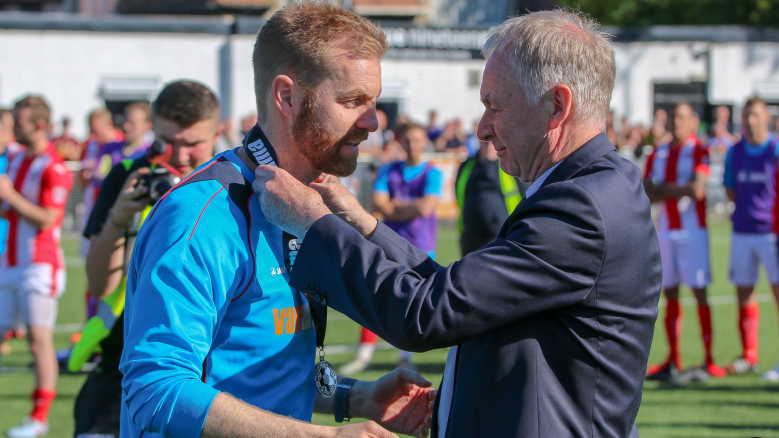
x=260, y=151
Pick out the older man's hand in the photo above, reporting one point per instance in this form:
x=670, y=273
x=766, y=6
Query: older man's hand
x=344, y=205
x=286, y=202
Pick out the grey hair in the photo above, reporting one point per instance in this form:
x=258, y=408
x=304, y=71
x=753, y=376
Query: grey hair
x=560, y=46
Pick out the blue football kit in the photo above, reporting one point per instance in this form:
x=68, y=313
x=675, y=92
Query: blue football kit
x=209, y=309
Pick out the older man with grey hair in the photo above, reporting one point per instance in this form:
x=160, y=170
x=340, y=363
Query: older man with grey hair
x=550, y=325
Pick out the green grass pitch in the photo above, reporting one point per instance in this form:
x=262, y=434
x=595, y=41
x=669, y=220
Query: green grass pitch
x=743, y=406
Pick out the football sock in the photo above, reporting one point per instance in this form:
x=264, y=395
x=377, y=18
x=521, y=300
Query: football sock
x=404, y=355
x=42, y=399
x=749, y=324
x=365, y=352
x=673, y=328
x=367, y=336
x=704, y=316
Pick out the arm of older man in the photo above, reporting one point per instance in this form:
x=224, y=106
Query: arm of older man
x=417, y=305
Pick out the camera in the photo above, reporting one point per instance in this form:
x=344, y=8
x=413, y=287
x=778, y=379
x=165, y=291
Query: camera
x=159, y=180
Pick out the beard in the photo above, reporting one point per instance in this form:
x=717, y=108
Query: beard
x=323, y=147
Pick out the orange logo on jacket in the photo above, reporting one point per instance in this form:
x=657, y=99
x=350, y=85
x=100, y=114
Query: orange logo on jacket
x=289, y=320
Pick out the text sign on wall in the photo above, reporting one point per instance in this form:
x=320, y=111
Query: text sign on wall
x=425, y=43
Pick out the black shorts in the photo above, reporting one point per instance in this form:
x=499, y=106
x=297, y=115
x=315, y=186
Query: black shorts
x=99, y=403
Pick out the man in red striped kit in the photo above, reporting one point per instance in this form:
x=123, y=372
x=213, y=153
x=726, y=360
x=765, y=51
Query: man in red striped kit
x=675, y=177
x=32, y=270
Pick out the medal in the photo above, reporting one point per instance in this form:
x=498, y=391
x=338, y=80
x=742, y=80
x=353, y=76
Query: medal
x=260, y=151
x=324, y=376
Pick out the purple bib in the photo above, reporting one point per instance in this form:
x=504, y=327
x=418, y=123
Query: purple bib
x=755, y=189
x=420, y=231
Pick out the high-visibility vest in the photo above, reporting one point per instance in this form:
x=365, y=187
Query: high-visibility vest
x=109, y=309
x=508, y=186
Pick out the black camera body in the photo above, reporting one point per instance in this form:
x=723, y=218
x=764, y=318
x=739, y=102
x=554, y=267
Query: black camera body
x=159, y=180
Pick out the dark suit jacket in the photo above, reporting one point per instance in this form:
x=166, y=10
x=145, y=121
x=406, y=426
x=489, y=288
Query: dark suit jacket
x=554, y=319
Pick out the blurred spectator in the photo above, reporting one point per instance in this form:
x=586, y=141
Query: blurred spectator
x=32, y=274
x=486, y=196
x=405, y=196
x=6, y=136
x=8, y=144
x=631, y=140
x=393, y=151
x=67, y=147
x=452, y=139
x=721, y=136
x=137, y=138
x=102, y=132
x=376, y=140
x=749, y=180
x=472, y=142
x=247, y=123
x=228, y=140
x=659, y=134
x=433, y=130
x=611, y=132
x=624, y=133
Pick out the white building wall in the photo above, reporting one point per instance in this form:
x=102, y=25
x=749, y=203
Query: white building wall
x=641, y=65
x=67, y=67
x=741, y=70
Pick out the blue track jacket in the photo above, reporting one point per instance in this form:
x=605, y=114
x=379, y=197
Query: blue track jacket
x=209, y=310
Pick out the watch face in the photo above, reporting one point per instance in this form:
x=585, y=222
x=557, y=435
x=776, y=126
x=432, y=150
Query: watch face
x=325, y=378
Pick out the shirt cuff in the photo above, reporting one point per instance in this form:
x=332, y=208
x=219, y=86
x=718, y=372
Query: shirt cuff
x=191, y=409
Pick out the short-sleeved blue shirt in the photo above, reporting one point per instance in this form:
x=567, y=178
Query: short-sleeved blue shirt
x=433, y=186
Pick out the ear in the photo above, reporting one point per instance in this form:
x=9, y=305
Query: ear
x=561, y=100
x=283, y=90
x=219, y=130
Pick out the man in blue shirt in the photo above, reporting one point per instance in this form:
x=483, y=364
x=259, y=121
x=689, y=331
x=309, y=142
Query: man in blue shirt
x=209, y=310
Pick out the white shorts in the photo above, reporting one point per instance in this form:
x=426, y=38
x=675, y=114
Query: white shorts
x=29, y=294
x=685, y=256
x=747, y=250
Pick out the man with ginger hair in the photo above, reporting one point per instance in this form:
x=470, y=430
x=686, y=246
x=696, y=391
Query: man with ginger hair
x=209, y=310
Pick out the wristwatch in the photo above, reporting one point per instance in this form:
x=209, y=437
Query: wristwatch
x=341, y=401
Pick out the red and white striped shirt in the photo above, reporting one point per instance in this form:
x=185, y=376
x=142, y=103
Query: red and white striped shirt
x=677, y=164
x=45, y=181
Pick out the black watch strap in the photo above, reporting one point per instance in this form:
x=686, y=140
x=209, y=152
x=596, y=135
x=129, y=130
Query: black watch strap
x=341, y=399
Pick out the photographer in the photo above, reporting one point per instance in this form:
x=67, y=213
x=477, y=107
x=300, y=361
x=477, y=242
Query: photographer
x=186, y=118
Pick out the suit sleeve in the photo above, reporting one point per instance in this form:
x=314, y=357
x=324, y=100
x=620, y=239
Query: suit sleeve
x=550, y=259
x=180, y=284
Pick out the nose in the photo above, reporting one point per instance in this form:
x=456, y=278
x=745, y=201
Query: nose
x=180, y=155
x=485, y=130
x=368, y=120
